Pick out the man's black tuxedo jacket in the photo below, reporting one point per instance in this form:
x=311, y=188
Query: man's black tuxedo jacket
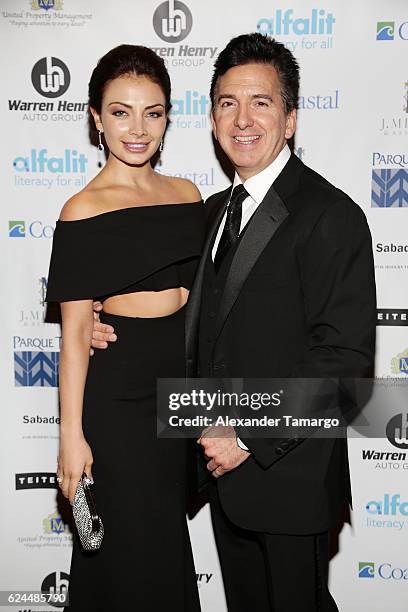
x=298, y=301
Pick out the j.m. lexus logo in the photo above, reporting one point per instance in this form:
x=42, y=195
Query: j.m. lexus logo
x=172, y=21
x=389, y=188
x=50, y=77
x=36, y=368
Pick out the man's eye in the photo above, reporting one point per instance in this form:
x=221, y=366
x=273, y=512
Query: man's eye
x=226, y=103
x=261, y=103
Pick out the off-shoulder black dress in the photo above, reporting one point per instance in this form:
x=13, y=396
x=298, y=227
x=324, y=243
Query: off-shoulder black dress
x=145, y=562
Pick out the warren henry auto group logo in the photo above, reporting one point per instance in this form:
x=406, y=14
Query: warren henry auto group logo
x=50, y=77
x=172, y=22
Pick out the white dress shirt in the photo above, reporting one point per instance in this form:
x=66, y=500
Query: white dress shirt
x=257, y=187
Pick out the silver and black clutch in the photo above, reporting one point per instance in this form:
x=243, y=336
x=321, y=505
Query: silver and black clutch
x=87, y=520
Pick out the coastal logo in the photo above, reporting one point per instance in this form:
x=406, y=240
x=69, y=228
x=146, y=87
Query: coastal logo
x=399, y=363
x=385, y=571
x=172, y=21
x=314, y=31
x=17, y=229
x=56, y=584
x=387, y=30
x=53, y=523
x=389, y=188
x=397, y=431
x=46, y=5
x=366, y=569
x=50, y=77
x=35, y=229
x=36, y=368
x=326, y=101
x=36, y=480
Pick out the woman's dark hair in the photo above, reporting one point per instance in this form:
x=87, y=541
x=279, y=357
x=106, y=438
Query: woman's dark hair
x=258, y=48
x=128, y=60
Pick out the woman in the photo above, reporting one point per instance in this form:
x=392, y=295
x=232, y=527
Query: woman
x=131, y=238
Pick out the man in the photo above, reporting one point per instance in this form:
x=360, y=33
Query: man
x=285, y=288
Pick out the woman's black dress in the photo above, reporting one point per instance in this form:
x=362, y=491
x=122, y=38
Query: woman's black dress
x=145, y=562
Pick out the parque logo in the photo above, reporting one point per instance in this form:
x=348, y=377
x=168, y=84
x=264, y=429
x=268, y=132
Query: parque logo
x=50, y=77
x=172, y=21
x=389, y=188
x=366, y=569
x=36, y=368
x=397, y=430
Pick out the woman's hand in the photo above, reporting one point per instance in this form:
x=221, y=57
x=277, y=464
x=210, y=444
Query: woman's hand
x=102, y=334
x=75, y=457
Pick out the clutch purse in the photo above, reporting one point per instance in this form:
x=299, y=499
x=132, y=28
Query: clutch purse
x=87, y=520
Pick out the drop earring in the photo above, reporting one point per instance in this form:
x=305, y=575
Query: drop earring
x=100, y=143
x=161, y=146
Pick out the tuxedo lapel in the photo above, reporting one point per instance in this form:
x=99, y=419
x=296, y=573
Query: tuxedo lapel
x=267, y=218
x=194, y=299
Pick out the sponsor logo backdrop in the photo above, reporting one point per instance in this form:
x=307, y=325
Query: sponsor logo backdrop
x=352, y=121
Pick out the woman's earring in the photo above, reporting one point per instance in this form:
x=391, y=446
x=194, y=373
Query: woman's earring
x=161, y=146
x=100, y=144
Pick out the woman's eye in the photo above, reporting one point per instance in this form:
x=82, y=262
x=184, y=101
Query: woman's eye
x=119, y=113
x=155, y=114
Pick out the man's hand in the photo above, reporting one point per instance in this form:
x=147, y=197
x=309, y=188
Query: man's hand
x=102, y=334
x=221, y=448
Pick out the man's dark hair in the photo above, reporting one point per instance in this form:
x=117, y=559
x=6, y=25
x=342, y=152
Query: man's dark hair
x=260, y=49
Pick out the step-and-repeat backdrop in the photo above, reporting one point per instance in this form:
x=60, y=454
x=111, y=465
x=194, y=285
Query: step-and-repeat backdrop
x=353, y=127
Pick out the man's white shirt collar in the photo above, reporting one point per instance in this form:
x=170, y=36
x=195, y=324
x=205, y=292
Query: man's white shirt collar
x=257, y=186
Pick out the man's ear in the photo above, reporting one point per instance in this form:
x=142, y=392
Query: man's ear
x=290, y=124
x=214, y=125
x=96, y=118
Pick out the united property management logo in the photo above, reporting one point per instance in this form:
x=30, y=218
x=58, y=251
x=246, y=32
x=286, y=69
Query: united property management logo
x=50, y=77
x=172, y=21
x=36, y=368
x=399, y=363
x=33, y=229
x=384, y=571
x=389, y=180
x=387, y=30
x=54, y=523
x=397, y=431
x=312, y=31
x=46, y=5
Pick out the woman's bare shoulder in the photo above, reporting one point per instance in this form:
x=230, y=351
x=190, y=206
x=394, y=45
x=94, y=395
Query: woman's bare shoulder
x=183, y=190
x=84, y=204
